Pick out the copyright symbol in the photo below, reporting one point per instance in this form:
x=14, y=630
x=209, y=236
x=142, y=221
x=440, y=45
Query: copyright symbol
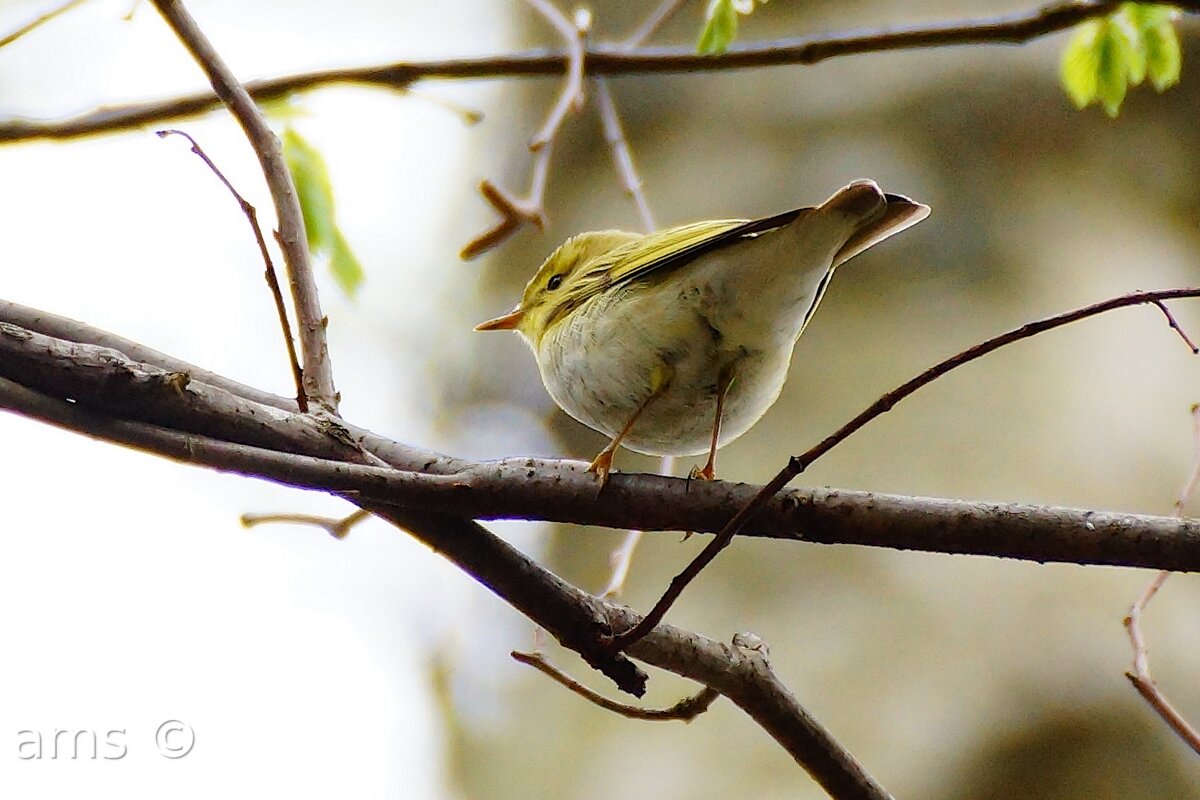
x=174, y=739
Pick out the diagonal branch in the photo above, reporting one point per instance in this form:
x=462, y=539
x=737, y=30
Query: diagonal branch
x=517, y=211
x=602, y=60
x=571, y=98
x=576, y=618
x=797, y=464
x=269, y=266
x=1140, y=676
x=318, y=372
x=38, y=21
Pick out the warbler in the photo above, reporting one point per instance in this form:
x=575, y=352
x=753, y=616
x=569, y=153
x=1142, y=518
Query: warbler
x=677, y=342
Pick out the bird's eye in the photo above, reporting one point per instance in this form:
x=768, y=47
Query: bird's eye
x=554, y=282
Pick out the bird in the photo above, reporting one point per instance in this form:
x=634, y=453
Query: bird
x=677, y=342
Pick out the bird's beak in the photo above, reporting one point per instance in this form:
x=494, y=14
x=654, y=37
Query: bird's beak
x=506, y=323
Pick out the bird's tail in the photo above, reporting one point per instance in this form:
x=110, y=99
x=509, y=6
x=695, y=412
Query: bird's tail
x=880, y=215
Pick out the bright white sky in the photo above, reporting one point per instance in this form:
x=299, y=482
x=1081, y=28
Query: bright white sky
x=132, y=596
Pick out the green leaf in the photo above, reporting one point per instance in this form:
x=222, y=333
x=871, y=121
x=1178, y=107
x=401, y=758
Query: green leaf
x=284, y=108
x=1125, y=28
x=720, y=28
x=345, y=266
x=313, y=189
x=1160, y=43
x=1111, y=70
x=315, y=193
x=1079, y=63
x=1149, y=15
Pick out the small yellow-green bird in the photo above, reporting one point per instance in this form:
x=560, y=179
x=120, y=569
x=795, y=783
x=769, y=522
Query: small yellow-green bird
x=677, y=342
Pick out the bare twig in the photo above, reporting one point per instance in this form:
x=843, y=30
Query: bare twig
x=514, y=211
x=687, y=709
x=797, y=464
x=318, y=372
x=337, y=528
x=517, y=211
x=604, y=59
x=620, y=560
x=622, y=159
x=1175, y=325
x=269, y=274
x=1140, y=675
x=37, y=22
x=571, y=97
x=658, y=17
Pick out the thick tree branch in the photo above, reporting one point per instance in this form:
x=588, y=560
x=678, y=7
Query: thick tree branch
x=599, y=60
x=494, y=563
x=318, y=372
x=76, y=332
x=578, y=620
x=296, y=450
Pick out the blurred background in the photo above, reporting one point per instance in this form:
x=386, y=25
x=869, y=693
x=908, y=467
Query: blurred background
x=369, y=667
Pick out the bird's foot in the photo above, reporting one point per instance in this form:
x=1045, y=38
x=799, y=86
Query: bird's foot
x=601, y=466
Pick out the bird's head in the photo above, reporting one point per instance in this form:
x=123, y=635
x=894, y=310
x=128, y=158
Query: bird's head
x=579, y=268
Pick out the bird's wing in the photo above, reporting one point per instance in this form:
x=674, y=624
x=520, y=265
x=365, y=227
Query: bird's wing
x=657, y=252
x=674, y=247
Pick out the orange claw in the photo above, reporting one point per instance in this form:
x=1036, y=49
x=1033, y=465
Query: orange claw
x=602, y=465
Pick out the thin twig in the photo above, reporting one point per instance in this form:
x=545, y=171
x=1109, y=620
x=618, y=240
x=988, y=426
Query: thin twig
x=1141, y=664
x=1140, y=675
x=686, y=709
x=514, y=211
x=318, y=372
x=658, y=17
x=1174, y=324
x=337, y=528
x=600, y=59
x=272, y=281
x=571, y=97
x=517, y=211
x=622, y=159
x=797, y=464
x=620, y=560
x=37, y=22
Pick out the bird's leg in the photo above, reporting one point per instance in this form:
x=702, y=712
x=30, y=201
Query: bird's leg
x=660, y=378
x=724, y=381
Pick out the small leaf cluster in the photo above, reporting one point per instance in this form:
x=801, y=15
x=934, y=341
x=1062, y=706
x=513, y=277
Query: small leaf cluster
x=721, y=24
x=1106, y=56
